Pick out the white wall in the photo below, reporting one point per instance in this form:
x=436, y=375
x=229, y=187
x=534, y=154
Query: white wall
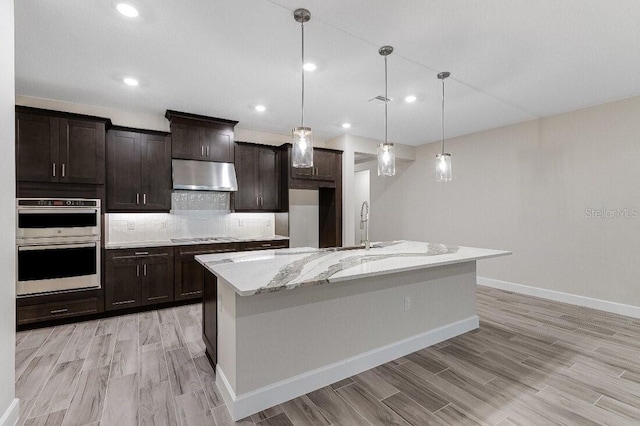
x=349, y=145
x=304, y=218
x=7, y=216
x=527, y=188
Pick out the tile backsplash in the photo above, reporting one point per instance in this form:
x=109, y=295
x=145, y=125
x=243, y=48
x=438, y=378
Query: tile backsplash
x=193, y=214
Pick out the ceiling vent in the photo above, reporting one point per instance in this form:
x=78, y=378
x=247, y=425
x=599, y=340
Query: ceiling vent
x=380, y=98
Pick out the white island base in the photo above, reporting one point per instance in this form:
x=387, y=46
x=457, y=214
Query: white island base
x=276, y=346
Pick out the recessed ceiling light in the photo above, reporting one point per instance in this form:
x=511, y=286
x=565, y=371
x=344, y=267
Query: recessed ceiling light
x=309, y=66
x=410, y=99
x=261, y=108
x=346, y=125
x=129, y=81
x=127, y=10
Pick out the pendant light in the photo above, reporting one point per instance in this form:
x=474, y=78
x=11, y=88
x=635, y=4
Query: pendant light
x=302, y=137
x=443, y=160
x=386, y=151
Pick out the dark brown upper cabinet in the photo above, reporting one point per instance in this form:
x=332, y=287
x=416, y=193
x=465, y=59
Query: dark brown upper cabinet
x=324, y=167
x=258, y=174
x=53, y=146
x=325, y=173
x=198, y=137
x=138, y=170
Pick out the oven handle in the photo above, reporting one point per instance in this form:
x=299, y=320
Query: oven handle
x=57, y=246
x=59, y=210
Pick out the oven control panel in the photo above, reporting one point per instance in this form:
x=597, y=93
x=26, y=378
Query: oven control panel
x=61, y=202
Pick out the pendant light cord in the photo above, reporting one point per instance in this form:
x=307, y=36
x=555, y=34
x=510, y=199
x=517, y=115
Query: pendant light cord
x=386, y=100
x=302, y=68
x=443, y=116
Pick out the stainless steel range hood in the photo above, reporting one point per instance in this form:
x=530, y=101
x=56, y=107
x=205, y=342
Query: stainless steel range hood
x=204, y=176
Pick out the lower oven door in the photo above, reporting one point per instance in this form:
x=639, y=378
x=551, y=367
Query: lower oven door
x=58, y=267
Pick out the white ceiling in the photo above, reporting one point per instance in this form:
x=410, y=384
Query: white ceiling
x=510, y=60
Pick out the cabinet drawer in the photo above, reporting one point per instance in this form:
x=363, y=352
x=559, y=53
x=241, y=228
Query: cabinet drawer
x=55, y=310
x=197, y=249
x=265, y=245
x=119, y=254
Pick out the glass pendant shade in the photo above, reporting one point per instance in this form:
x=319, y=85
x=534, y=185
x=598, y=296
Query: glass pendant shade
x=302, y=140
x=443, y=168
x=386, y=159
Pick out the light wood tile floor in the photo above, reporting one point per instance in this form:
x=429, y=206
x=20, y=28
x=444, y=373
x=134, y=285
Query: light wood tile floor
x=531, y=362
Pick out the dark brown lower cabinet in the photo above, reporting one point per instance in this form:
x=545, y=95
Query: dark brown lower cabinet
x=51, y=307
x=210, y=316
x=138, y=277
x=189, y=274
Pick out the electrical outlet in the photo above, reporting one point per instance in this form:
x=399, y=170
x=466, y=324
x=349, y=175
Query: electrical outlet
x=407, y=303
x=131, y=225
x=240, y=223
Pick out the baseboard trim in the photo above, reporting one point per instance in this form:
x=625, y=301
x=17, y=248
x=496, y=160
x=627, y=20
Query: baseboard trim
x=573, y=299
x=241, y=406
x=12, y=414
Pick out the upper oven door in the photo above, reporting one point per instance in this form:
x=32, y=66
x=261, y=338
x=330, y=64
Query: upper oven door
x=58, y=222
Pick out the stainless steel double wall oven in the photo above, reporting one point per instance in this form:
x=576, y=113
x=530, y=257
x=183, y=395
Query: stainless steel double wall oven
x=57, y=245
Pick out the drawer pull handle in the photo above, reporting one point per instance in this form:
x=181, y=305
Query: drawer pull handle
x=158, y=297
x=59, y=311
x=266, y=245
x=141, y=253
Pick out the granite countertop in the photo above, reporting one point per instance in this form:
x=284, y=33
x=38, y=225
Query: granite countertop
x=190, y=241
x=274, y=270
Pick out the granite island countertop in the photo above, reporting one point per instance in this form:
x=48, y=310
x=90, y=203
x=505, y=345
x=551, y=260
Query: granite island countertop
x=285, y=269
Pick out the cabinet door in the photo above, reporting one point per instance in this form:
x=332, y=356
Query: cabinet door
x=157, y=280
x=123, y=170
x=155, y=166
x=37, y=148
x=122, y=283
x=189, y=278
x=82, y=151
x=246, y=198
x=303, y=173
x=268, y=179
x=218, y=145
x=210, y=316
x=324, y=163
x=186, y=142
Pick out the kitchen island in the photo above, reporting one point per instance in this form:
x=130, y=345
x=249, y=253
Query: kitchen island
x=282, y=323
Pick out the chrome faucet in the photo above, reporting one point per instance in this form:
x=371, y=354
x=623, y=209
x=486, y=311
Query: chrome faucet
x=364, y=224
